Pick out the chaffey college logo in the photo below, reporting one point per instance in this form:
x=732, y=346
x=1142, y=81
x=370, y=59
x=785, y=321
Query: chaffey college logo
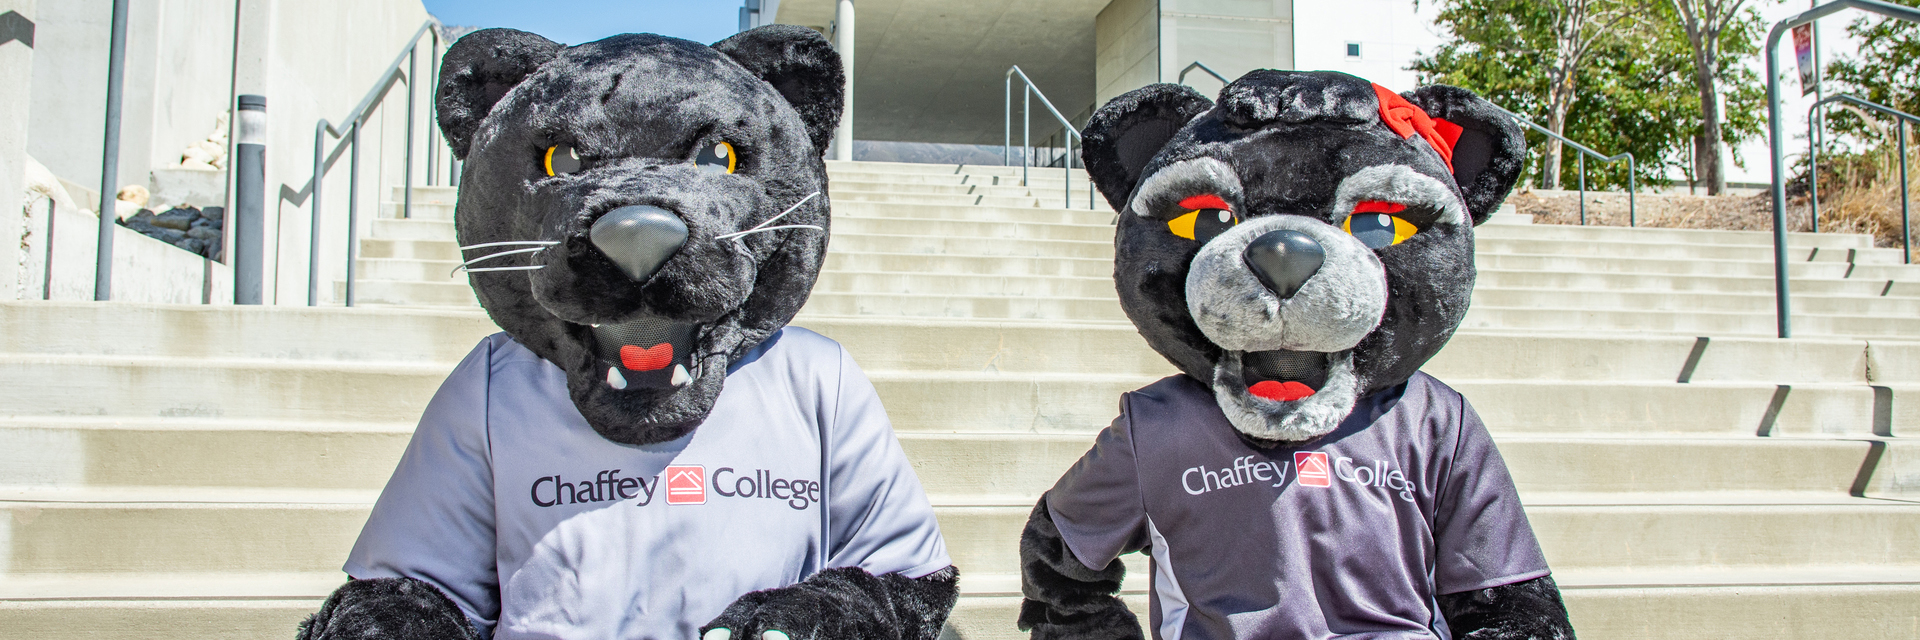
x=686, y=484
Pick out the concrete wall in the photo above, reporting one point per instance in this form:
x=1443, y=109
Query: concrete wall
x=144, y=269
x=1390, y=34
x=312, y=59
x=1230, y=36
x=1126, y=48
x=16, y=70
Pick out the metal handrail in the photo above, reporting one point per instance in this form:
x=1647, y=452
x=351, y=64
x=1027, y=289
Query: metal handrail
x=351, y=137
x=1901, y=118
x=1632, y=206
x=1026, y=133
x=1196, y=65
x=1776, y=128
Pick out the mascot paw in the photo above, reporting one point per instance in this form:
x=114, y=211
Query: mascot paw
x=387, y=609
x=804, y=611
x=842, y=604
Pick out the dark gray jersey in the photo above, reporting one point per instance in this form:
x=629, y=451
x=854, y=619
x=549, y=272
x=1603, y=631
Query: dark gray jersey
x=1352, y=535
x=539, y=528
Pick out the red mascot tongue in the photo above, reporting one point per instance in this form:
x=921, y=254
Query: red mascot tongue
x=1288, y=391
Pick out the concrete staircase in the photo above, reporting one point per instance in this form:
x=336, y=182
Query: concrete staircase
x=201, y=471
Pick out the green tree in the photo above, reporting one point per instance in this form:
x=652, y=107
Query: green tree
x=1886, y=69
x=1638, y=88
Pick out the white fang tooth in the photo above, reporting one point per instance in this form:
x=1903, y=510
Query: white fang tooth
x=680, y=377
x=615, y=380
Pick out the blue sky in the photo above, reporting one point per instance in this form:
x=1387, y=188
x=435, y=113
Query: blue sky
x=575, y=21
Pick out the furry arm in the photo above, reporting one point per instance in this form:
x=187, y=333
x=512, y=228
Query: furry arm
x=1065, y=599
x=387, y=609
x=1523, y=610
x=846, y=603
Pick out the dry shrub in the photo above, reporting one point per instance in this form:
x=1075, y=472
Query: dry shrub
x=1858, y=194
x=1861, y=194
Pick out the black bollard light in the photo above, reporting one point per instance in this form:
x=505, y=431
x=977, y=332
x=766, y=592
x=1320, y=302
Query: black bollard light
x=249, y=200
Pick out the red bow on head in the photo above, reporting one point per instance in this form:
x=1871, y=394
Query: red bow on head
x=1406, y=119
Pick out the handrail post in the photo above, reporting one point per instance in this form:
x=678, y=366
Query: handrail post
x=1066, y=175
x=1583, y=189
x=1906, y=234
x=1776, y=129
x=1006, y=121
x=313, y=202
x=1026, y=133
x=1633, y=213
x=406, y=164
x=353, y=205
x=1813, y=169
x=110, y=154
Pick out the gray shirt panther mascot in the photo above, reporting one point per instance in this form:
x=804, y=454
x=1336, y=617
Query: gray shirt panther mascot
x=1298, y=249
x=647, y=451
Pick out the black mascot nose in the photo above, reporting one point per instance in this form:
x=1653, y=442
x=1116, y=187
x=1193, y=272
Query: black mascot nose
x=638, y=238
x=1284, y=260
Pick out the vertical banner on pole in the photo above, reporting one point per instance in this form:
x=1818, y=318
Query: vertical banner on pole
x=1803, y=53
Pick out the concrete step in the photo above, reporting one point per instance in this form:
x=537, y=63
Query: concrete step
x=396, y=392
x=96, y=531
x=446, y=293
x=1055, y=403
x=61, y=452
x=964, y=306
x=150, y=387
x=294, y=334
x=1001, y=200
x=1803, y=243
x=1695, y=301
x=442, y=211
x=1566, y=280
x=1095, y=267
x=1781, y=605
x=1698, y=323
x=442, y=337
x=1655, y=249
x=849, y=209
x=1018, y=467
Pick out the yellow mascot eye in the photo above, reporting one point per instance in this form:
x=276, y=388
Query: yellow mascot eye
x=562, y=159
x=1207, y=216
x=1378, y=230
x=717, y=158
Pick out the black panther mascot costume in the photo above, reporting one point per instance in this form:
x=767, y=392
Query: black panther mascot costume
x=648, y=451
x=1298, y=250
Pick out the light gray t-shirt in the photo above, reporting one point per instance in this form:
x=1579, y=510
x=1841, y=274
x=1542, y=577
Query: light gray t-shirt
x=508, y=502
x=1352, y=535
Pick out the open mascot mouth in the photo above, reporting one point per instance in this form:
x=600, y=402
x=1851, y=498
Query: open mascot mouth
x=1282, y=375
x=646, y=352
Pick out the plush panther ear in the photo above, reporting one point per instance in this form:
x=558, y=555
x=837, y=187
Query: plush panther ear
x=477, y=70
x=1130, y=130
x=802, y=66
x=1491, y=151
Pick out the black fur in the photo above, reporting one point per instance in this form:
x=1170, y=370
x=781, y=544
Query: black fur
x=1529, y=610
x=1290, y=157
x=638, y=106
x=1491, y=151
x=1063, y=598
x=388, y=609
x=477, y=71
x=1291, y=139
x=847, y=604
x=1122, y=137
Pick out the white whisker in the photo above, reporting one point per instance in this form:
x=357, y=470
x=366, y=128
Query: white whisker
x=531, y=268
x=511, y=243
x=737, y=234
x=763, y=225
x=468, y=265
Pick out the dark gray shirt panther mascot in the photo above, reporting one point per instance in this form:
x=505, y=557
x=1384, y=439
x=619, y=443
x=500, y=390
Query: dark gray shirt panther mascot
x=1298, y=250
x=647, y=451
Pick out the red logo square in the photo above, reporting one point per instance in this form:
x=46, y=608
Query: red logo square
x=1312, y=469
x=686, y=484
